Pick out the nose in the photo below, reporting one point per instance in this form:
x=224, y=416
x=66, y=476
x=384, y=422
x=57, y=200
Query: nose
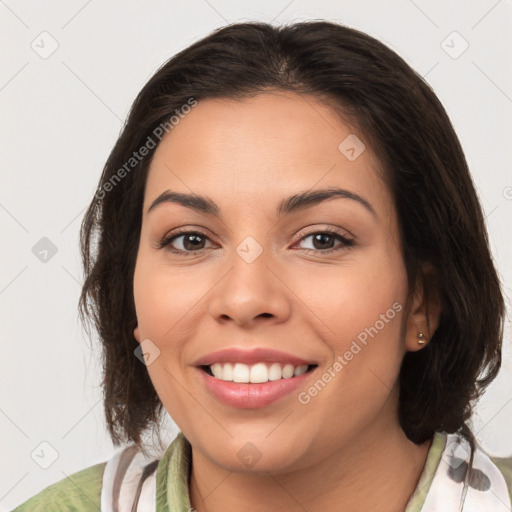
x=250, y=292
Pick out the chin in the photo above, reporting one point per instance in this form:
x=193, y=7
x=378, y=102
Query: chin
x=258, y=456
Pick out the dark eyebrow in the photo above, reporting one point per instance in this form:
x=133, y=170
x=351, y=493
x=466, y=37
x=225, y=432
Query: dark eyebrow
x=313, y=197
x=193, y=201
x=287, y=206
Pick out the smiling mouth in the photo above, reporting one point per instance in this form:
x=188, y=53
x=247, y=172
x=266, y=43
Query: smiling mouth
x=258, y=373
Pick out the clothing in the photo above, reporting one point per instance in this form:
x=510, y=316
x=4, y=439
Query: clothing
x=138, y=484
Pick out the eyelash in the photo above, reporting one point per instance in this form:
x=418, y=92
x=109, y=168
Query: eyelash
x=346, y=242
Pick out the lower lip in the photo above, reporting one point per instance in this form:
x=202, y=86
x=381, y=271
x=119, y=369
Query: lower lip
x=252, y=396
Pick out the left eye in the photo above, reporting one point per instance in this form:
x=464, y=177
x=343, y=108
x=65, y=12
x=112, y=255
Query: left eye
x=322, y=238
x=191, y=242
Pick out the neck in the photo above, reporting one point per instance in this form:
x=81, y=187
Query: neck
x=378, y=470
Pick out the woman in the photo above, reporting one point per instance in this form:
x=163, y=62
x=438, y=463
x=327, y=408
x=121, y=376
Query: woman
x=287, y=255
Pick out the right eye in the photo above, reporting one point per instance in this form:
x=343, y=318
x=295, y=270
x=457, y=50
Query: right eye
x=192, y=242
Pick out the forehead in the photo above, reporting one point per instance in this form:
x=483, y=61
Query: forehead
x=262, y=148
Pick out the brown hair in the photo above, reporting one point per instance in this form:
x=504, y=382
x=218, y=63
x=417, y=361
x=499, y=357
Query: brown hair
x=440, y=218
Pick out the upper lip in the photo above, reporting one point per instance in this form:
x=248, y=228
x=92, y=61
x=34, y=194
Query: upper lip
x=252, y=356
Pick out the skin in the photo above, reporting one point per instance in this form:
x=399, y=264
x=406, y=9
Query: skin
x=346, y=444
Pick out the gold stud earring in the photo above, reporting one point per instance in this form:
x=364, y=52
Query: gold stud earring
x=421, y=340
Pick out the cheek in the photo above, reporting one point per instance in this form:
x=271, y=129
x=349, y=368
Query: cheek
x=357, y=310
x=352, y=296
x=163, y=304
x=164, y=297
x=358, y=315
x=170, y=304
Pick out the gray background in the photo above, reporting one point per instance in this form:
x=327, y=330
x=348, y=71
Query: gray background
x=61, y=114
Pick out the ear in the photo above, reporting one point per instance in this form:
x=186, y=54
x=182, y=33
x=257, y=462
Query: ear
x=425, y=310
x=136, y=333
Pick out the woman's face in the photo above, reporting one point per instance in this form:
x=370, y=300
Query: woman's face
x=306, y=281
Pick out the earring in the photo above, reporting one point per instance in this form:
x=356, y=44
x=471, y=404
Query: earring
x=421, y=340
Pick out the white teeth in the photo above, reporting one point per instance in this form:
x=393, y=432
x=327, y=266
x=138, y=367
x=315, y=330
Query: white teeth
x=299, y=370
x=257, y=373
x=274, y=372
x=288, y=371
x=227, y=372
x=241, y=373
x=216, y=370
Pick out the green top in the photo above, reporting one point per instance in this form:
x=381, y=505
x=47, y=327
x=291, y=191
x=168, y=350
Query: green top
x=81, y=491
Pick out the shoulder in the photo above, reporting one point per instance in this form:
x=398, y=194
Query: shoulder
x=80, y=491
x=504, y=464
